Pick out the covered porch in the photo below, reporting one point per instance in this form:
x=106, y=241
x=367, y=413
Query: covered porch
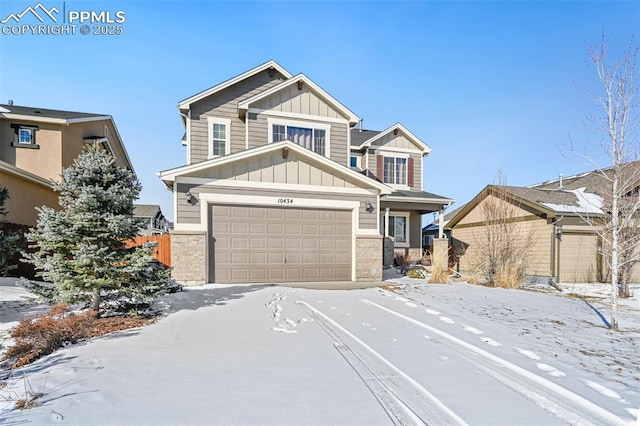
x=401, y=215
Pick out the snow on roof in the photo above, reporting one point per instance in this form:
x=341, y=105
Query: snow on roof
x=587, y=203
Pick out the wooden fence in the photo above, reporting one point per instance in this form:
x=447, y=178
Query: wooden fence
x=162, y=252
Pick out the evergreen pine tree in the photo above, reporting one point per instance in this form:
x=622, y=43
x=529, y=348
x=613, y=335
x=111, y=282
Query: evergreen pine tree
x=81, y=249
x=10, y=240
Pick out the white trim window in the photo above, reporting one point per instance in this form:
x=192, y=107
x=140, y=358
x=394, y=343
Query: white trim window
x=313, y=136
x=219, y=136
x=395, y=170
x=398, y=228
x=24, y=136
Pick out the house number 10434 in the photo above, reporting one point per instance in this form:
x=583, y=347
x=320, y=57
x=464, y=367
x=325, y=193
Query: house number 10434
x=285, y=200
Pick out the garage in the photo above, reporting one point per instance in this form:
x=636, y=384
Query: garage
x=279, y=244
x=578, y=257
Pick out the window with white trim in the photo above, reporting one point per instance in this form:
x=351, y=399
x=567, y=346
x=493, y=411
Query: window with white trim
x=398, y=228
x=353, y=161
x=311, y=136
x=219, y=136
x=395, y=170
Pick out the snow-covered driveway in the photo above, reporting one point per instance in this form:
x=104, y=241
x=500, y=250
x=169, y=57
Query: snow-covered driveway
x=274, y=355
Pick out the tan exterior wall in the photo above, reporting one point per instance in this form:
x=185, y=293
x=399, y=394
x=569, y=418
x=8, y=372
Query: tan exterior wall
x=578, y=258
x=46, y=161
x=539, y=261
x=372, y=159
x=189, y=257
x=297, y=101
x=273, y=168
x=476, y=215
x=338, y=146
x=73, y=142
x=25, y=196
x=190, y=213
x=225, y=105
x=369, y=258
x=394, y=141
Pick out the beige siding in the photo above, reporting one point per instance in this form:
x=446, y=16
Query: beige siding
x=338, y=150
x=188, y=213
x=394, y=141
x=373, y=154
x=273, y=168
x=476, y=215
x=539, y=261
x=578, y=258
x=303, y=101
x=225, y=105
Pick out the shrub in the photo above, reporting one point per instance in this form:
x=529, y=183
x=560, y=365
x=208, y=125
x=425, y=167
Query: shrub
x=35, y=338
x=419, y=273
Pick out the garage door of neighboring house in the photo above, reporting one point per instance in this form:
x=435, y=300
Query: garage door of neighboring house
x=272, y=244
x=578, y=258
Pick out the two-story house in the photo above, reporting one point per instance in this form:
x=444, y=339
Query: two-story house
x=280, y=185
x=153, y=221
x=37, y=143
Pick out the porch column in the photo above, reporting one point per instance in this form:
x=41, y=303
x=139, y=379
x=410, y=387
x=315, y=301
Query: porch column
x=386, y=222
x=441, y=223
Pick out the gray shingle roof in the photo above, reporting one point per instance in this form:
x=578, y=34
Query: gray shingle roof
x=49, y=113
x=145, y=210
x=359, y=136
x=417, y=194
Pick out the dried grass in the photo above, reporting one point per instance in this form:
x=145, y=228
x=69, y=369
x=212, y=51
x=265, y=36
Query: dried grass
x=35, y=338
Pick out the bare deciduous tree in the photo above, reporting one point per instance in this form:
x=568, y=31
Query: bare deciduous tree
x=503, y=243
x=616, y=124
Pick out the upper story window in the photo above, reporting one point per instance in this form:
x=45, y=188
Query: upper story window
x=313, y=136
x=219, y=136
x=353, y=162
x=395, y=170
x=25, y=136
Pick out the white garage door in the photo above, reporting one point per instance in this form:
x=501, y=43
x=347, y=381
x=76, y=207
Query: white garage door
x=273, y=244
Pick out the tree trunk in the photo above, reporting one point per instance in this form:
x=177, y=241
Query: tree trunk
x=95, y=301
x=614, y=251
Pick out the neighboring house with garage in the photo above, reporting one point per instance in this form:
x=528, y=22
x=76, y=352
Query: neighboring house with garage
x=37, y=143
x=280, y=185
x=565, y=247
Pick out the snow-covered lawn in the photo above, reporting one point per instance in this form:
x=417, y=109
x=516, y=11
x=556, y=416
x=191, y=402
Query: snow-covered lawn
x=255, y=354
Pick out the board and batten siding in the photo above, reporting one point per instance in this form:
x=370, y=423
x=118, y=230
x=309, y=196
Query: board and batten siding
x=225, y=105
x=338, y=150
x=416, y=183
x=304, y=101
x=190, y=213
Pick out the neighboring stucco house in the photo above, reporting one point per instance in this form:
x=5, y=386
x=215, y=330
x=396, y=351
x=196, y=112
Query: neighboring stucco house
x=564, y=247
x=154, y=221
x=279, y=185
x=37, y=143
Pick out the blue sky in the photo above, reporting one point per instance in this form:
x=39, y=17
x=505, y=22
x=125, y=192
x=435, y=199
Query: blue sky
x=490, y=86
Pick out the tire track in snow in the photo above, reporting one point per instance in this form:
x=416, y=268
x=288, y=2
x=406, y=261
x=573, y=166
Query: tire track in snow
x=405, y=400
x=555, y=399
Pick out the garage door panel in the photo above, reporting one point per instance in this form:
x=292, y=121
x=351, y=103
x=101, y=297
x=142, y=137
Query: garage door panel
x=272, y=244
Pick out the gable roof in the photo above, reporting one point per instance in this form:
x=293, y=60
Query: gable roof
x=169, y=176
x=186, y=103
x=549, y=202
x=359, y=136
x=244, y=105
x=146, y=210
x=56, y=116
x=423, y=147
x=48, y=115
